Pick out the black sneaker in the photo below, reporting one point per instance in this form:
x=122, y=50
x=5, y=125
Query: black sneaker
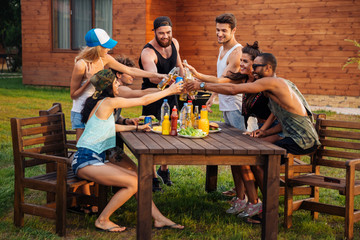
x=165, y=176
x=156, y=185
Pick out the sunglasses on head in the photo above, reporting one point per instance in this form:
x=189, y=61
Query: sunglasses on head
x=254, y=66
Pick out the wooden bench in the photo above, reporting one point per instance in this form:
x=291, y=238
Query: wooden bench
x=339, y=155
x=38, y=141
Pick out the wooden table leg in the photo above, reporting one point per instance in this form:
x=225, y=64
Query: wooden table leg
x=211, y=178
x=144, y=221
x=271, y=198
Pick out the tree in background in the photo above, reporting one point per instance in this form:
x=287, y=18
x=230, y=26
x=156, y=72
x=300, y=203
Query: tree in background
x=10, y=31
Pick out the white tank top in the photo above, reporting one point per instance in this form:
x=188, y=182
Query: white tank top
x=79, y=102
x=227, y=102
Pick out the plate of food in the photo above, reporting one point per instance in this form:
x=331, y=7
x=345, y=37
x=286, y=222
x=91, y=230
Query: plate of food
x=191, y=133
x=157, y=129
x=214, y=127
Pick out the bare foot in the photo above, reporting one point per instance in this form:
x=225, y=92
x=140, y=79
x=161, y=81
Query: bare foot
x=108, y=226
x=167, y=223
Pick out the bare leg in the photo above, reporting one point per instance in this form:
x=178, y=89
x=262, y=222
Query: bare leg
x=159, y=219
x=259, y=175
x=111, y=175
x=238, y=181
x=249, y=182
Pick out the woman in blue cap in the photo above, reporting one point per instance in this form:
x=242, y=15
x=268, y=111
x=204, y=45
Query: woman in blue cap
x=89, y=61
x=93, y=58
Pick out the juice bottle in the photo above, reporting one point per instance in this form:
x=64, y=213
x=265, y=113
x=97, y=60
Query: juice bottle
x=204, y=121
x=196, y=116
x=166, y=125
x=188, y=122
x=191, y=107
x=174, y=119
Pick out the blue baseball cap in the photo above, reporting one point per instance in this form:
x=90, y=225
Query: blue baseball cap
x=98, y=36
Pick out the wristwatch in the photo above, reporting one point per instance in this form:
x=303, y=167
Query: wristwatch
x=202, y=85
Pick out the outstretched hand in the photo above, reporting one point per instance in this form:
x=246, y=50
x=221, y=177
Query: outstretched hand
x=145, y=127
x=192, y=85
x=176, y=87
x=258, y=133
x=192, y=69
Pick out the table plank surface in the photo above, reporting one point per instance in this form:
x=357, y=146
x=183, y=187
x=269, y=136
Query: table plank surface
x=228, y=141
x=229, y=146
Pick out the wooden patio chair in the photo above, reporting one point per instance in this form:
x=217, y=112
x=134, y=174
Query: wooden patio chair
x=38, y=141
x=71, y=146
x=339, y=158
x=299, y=167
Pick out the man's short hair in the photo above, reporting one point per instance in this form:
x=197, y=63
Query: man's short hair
x=123, y=60
x=227, y=18
x=269, y=58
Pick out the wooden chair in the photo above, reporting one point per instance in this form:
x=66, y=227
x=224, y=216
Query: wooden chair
x=299, y=167
x=339, y=154
x=38, y=141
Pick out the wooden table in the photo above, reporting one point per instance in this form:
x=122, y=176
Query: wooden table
x=227, y=147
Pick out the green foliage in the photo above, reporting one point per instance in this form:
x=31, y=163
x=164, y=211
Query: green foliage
x=10, y=31
x=356, y=59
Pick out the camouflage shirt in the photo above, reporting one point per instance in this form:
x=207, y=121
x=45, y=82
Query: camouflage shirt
x=299, y=128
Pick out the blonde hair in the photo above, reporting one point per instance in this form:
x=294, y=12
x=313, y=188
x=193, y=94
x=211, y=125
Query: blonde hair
x=89, y=54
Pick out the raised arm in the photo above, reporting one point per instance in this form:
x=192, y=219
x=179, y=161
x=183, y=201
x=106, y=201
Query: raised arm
x=127, y=92
x=148, y=61
x=119, y=102
x=260, y=85
x=136, y=72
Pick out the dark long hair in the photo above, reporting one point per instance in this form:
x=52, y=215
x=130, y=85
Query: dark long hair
x=253, y=51
x=90, y=103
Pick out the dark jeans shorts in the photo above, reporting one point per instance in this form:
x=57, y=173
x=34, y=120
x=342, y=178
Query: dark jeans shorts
x=291, y=147
x=85, y=157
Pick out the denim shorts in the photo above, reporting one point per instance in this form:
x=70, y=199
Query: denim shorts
x=235, y=119
x=76, y=120
x=85, y=157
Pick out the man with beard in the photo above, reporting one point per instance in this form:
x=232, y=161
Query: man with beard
x=160, y=55
x=285, y=102
x=228, y=61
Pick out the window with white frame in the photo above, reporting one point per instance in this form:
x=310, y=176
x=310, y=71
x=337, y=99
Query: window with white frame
x=72, y=19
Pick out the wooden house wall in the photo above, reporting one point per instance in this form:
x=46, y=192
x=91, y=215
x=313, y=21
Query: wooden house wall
x=306, y=36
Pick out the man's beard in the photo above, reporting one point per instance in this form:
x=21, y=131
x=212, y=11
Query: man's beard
x=224, y=41
x=258, y=75
x=163, y=44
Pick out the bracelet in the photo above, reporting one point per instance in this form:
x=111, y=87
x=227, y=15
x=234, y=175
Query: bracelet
x=124, y=121
x=137, y=127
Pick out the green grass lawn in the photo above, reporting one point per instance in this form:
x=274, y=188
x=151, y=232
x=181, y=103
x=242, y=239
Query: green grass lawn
x=187, y=203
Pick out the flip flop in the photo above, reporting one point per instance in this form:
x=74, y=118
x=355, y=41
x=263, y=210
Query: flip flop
x=256, y=219
x=229, y=193
x=109, y=229
x=173, y=226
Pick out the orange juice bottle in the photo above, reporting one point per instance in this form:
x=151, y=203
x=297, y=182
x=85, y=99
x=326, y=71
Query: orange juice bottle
x=166, y=125
x=204, y=121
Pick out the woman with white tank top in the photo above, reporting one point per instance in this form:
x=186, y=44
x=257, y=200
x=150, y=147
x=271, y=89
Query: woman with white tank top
x=93, y=58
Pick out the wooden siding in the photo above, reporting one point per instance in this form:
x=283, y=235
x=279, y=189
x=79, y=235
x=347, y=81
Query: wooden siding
x=306, y=36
